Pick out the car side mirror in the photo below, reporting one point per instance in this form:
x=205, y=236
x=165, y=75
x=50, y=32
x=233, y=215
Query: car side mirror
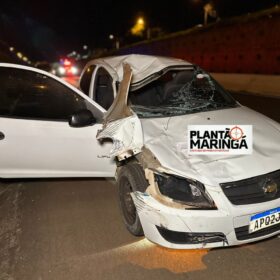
x=82, y=118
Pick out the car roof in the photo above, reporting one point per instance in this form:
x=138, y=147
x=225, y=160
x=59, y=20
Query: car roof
x=142, y=66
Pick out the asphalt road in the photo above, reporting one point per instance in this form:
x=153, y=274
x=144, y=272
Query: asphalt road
x=72, y=229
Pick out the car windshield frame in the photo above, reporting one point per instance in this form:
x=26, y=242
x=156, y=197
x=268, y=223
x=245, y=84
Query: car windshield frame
x=200, y=93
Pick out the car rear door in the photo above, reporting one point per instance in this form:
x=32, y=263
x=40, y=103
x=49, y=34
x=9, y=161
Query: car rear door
x=86, y=80
x=35, y=137
x=99, y=85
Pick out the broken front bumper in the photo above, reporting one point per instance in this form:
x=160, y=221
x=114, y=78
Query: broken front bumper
x=190, y=229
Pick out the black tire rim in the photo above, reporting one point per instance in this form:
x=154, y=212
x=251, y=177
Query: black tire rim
x=127, y=203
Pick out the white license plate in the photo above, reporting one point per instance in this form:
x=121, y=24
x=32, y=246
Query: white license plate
x=264, y=220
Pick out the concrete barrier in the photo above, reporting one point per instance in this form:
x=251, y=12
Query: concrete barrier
x=265, y=85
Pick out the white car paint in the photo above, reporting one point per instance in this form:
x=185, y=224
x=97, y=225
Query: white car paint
x=36, y=148
x=142, y=65
x=152, y=213
x=126, y=135
x=165, y=138
x=162, y=137
x=28, y=68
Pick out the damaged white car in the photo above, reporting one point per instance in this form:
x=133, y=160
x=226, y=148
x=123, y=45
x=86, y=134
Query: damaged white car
x=178, y=199
x=194, y=168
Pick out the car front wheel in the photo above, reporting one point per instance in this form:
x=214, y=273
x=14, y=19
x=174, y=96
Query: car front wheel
x=131, y=178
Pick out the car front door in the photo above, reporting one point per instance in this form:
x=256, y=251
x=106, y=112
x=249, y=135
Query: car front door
x=36, y=139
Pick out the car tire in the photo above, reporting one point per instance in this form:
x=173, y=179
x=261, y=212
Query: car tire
x=131, y=178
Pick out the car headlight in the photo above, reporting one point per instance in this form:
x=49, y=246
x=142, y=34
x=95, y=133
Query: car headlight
x=74, y=70
x=61, y=70
x=184, y=191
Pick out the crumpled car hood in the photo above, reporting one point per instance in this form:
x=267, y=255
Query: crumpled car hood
x=167, y=140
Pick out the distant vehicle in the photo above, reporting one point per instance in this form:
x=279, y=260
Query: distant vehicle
x=65, y=68
x=145, y=106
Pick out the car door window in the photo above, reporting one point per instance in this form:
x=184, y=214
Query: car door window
x=32, y=95
x=86, y=79
x=103, y=89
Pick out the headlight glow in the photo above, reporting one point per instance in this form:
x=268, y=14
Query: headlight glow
x=61, y=70
x=74, y=70
x=184, y=191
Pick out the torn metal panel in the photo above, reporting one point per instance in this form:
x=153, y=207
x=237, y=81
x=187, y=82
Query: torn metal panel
x=119, y=108
x=147, y=159
x=150, y=164
x=126, y=135
x=121, y=125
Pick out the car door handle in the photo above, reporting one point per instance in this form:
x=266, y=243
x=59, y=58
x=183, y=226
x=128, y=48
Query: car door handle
x=2, y=135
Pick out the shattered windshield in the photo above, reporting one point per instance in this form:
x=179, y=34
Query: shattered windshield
x=179, y=92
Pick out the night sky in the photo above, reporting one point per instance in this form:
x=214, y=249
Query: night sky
x=48, y=29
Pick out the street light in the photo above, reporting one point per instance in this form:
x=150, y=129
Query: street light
x=209, y=10
x=138, y=27
x=141, y=22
